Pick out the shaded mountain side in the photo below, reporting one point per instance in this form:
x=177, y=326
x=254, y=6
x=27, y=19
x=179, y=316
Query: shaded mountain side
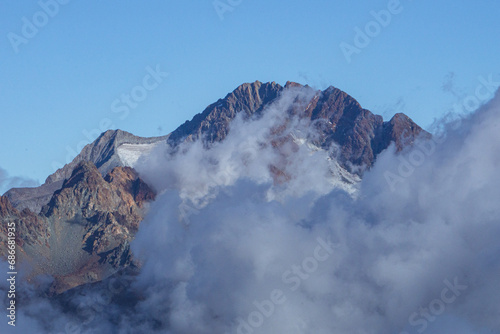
x=78, y=226
x=339, y=119
x=83, y=234
x=401, y=130
x=213, y=123
x=102, y=152
x=30, y=228
x=33, y=198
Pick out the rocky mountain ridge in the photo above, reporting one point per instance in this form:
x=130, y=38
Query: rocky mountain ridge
x=102, y=152
x=78, y=225
x=360, y=134
x=339, y=118
x=83, y=234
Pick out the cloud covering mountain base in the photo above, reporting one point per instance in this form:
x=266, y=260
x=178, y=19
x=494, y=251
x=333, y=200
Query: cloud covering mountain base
x=232, y=245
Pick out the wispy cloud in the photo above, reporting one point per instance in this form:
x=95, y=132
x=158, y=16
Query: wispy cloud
x=7, y=182
x=252, y=244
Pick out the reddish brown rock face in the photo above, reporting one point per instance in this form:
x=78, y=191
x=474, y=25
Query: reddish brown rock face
x=128, y=179
x=31, y=229
x=339, y=118
x=213, y=122
x=6, y=208
x=78, y=226
x=102, y=153
x=83, y=234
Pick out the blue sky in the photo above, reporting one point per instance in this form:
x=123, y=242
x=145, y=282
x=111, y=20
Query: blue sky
x=59, y=84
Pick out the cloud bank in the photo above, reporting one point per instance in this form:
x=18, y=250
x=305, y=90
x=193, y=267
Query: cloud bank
x=7, y=182
x=254, y=236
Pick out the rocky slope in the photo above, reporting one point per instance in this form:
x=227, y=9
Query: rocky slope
x=340, y=119
x=83, y=234
x=78, y=226
x=103, y=152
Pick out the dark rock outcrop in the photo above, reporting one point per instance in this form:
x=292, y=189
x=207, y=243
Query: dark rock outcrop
x=78, y=226
x=102, y=153
x=213, y=123
x=30, y=229
x=83, y=234
x=340, y=119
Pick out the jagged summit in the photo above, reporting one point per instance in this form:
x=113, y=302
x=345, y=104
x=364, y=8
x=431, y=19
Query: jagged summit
x=79, y=224
x=103, y=153
x=360, y=134
x=213, y=122
x=83, y=234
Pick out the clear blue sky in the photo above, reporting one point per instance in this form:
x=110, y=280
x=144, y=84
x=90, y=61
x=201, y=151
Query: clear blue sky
x=64, y=79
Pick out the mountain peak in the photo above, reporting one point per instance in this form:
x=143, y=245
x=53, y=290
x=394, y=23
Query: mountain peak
x=84, y=170
x=360, y=134
x=290, y=84
x=213, y=123
x=249, y=85
x=102, y=152
x=96, y=202
x=97, y=218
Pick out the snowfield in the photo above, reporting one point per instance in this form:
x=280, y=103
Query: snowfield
x=130, y=154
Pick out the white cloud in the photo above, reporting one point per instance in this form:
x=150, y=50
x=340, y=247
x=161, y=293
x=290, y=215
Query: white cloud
x=248, y=238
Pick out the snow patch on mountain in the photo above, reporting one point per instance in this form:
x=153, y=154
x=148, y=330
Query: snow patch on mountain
x=130, y=154
x=340, y=177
